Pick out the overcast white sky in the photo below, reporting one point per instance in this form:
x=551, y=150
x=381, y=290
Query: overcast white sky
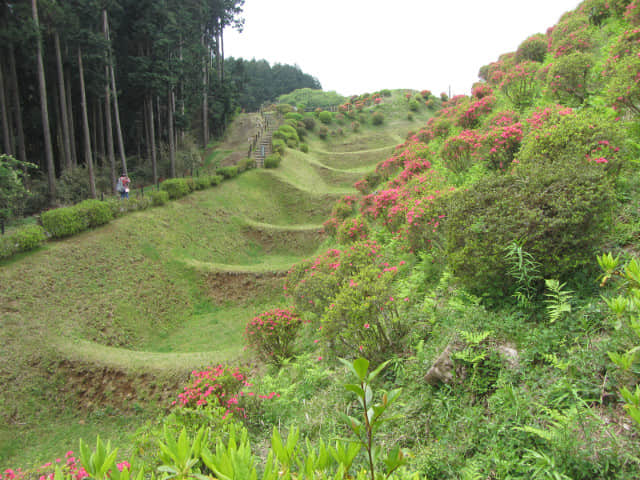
x=358, y=46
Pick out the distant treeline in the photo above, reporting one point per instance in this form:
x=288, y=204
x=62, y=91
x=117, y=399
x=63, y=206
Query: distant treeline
x=115, y=85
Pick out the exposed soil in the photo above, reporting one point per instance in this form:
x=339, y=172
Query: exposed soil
x=92, y=387
x=293, y=241
x=242, y=287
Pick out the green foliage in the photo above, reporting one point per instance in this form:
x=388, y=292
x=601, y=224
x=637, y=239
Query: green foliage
x=63, y=222
x=158, y=198
x=180, y=456
x=272, y=161
x=94, y=213
x=352, y=230
x=524, y=269
x=12, y=190
x=22, y=239
x=228, y=172
x=558, y=300
x=272, y=334
x=325, y=117
x=312, y=99
x=568, y=78
x=365, y=428
x=288, y=135
x=175, y=187
x=377, y=118
x=100, y=461
x=533, y=49
x=561, y=215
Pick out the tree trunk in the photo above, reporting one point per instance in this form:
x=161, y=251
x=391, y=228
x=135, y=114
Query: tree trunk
x=172, y=145
x=66, y=139
x=107, y=109
x=17, y=108
x=42, y=86
x=100, y=130
x=4, y=114
x=85, y=128
x=152, y=138
x=116, y=110
x=205, y=95
x=72, y=130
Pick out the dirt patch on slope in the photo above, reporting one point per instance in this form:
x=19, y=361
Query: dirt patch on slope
x=290, y=241
x=92, y=387
x=243, y=287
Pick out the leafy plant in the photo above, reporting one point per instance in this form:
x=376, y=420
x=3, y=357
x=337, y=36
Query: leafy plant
x=558, y=300
x=365, y=428
x=180, y=456
x=98, y=462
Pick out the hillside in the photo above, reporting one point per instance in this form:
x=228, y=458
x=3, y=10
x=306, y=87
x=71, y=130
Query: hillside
x=110, y=323
x=479, y=251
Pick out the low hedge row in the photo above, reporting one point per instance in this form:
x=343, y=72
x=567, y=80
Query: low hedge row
x=66, y=221
x=22, y=239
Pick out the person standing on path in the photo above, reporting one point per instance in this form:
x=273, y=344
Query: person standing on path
x=123, y=185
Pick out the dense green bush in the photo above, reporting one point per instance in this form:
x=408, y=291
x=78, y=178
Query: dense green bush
x=377, y=118
x=560, y=213
x=304, y=148
x=228, y=172
x=272, y=334
x=22, y=239
x=325, y=117
x=175, y=187
x=279, y=146
x=272, y=161
x=215, y=179
x=569, y=78
x=63, y=222
x=201, y=183
x=158, y=198
x=533, y=49
x=94, y=213
x=245, y=164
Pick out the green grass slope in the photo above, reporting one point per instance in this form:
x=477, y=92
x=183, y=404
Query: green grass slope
x=99, y=330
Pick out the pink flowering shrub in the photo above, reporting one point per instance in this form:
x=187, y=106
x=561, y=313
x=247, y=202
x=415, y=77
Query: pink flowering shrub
x=353, y=230
x=70, y=467
x=572, y=34
x=481, y=90
x=632, y=13
x=501, y=141
x=362, y=319
x=519, y=84
x=568, y=77
x=459, y=152
x=470, y=116
x=345, y=207
x=330, y=226
x=622, y=73
x=218, y=386
x=272, y=334
x=543, y=116
x=313, y=283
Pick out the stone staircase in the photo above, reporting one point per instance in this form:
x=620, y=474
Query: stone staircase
x=263, y=146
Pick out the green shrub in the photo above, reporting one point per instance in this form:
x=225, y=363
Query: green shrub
x=201, y=183
x=279, y=146
x=175, y=187
x=288, y=134
x=158, y=198
x=559, y=212
x=94, y=212
x=215, y=179
x=23, y=239
x=309, y=123
x=414, y=105
x=377, y=118
x=325, y=117
x=228, y=172
x=569, y=77
x=304, y=148
x=323, y=132
x=63, y=222
x=532, y=49
x=353, y=230
x=246, y=164
x=272, y=161
x=272, y=334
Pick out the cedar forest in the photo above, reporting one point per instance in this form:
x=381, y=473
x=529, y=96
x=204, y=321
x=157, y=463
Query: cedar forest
x=406, y=286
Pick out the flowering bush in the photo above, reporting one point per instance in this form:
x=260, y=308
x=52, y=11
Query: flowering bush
x=469, y=118
x=519, y=84
x=272, y=334
x=345, y=207
x=572, y=34
x=460, y=151
x=568, y=77
x=362, y=318
x=632, y=13
x=352, y=230
x=621, y=71
x=501, y=142
x=481, y=90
